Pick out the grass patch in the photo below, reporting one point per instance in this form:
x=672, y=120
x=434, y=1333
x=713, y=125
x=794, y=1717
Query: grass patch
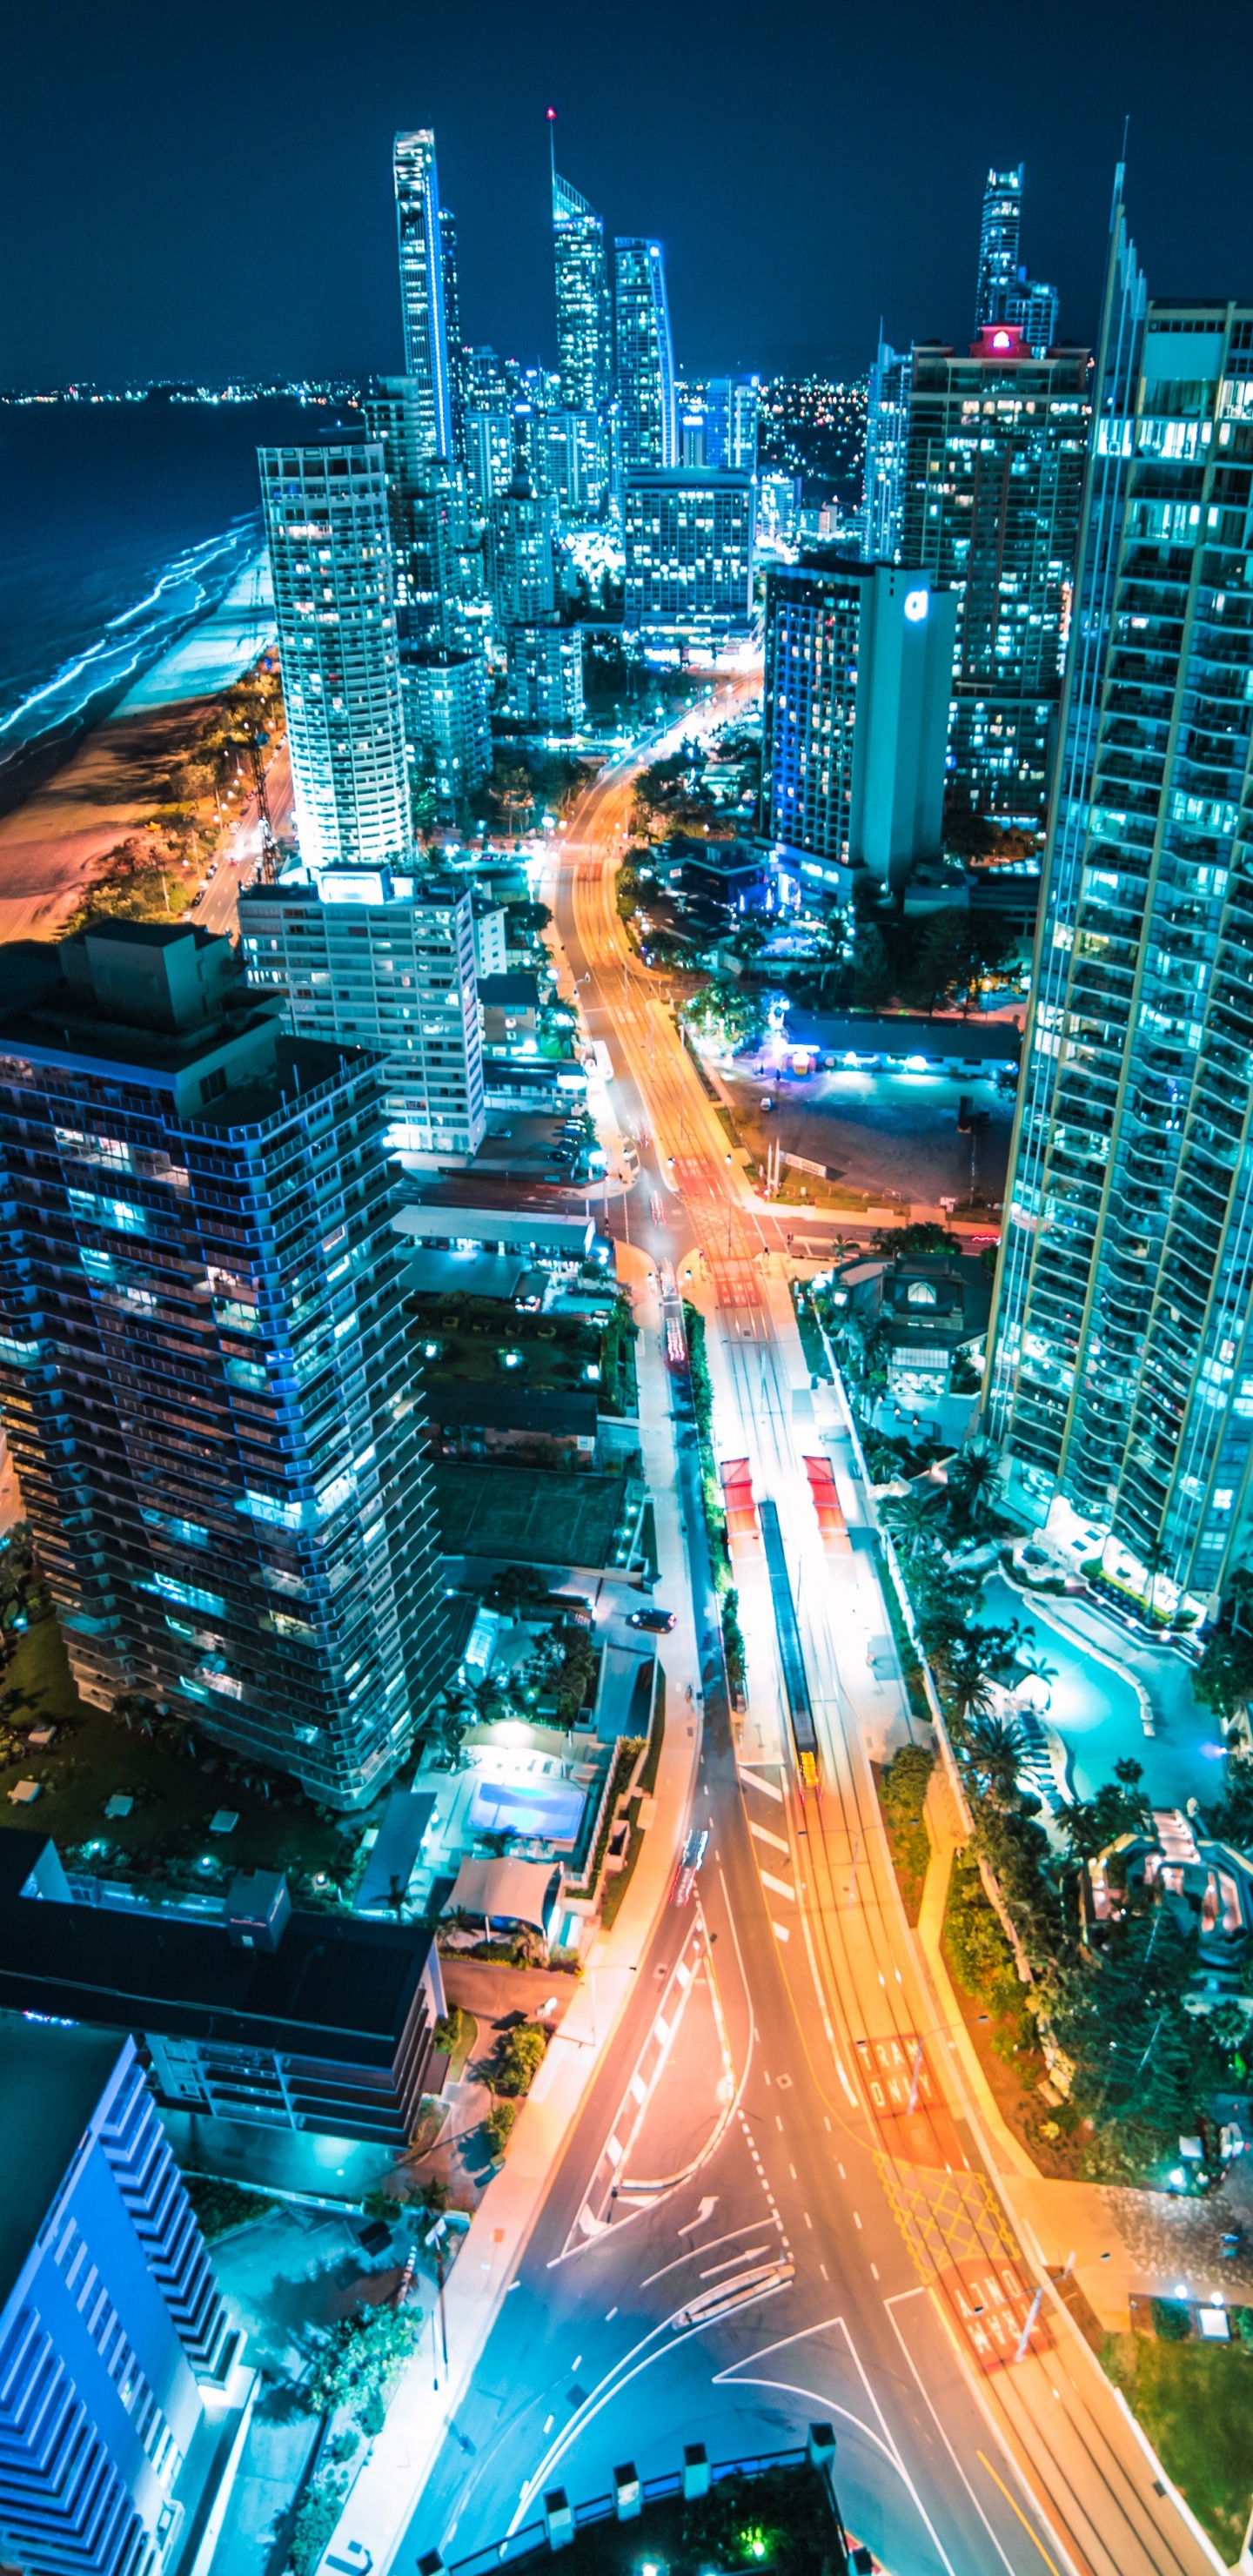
x=1194, y=2400
x=902, y=1793
x=616, y=1887
x=656, y=1737
x=911, y=1666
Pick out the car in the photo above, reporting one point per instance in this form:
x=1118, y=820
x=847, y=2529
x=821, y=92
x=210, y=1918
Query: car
x=684, y=1886
x=659, y=1621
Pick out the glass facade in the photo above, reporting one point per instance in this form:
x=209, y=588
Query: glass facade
x=644, y=357
x=993, y=477
x=208, y=1387
x=998, y=245
x=423, y=253
x=1122, y=1366
x=887, y=441
x=327, y=522
x=583, y=323
x=813, y=621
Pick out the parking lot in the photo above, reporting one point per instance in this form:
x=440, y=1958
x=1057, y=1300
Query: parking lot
x=887, y=1132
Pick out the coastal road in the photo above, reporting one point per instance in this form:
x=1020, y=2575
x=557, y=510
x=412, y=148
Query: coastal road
x=218, y=906
x=774, y=2206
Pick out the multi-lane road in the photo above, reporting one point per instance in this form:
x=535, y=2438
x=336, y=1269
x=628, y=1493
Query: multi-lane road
x=774, y=2206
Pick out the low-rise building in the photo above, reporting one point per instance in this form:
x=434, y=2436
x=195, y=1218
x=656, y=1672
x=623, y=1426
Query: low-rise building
x=509, y=1008
x=265, y=2014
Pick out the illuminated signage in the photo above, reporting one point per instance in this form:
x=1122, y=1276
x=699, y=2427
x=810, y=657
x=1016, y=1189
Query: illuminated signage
x=916, y=605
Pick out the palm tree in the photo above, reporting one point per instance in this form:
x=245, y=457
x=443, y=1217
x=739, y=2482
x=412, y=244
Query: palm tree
x=975, y=1659
x=997, y=1748
x=912, y=1520
x=973, y=1477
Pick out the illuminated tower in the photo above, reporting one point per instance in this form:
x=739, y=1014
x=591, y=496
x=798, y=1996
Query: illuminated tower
x=1121, y=1375
x=452, y=332
x=583, y=328
x=644, y=357
x=422, y=271
x=887, y=436
x=998, y=245
x=327, y=524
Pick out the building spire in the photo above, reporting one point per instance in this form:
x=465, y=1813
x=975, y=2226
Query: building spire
x=551, y=115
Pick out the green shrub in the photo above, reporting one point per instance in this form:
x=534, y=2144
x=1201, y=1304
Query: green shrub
x=1172, y=2320
x=317, y=2513
x=498, y=2127
x=519, y=2059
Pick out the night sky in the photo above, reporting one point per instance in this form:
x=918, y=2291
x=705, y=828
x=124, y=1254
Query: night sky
x=197, y=192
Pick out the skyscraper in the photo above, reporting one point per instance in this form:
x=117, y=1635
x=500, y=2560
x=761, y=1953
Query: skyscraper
x=110, y=2317
x=732, y=412
x=422, y=271
x=583, y=320
x=521, y=529
x=998, y=245
x=453, y=343
x=887, y=444
x=327, y=523
x=384, y=962
x=644, y=358
x=1121, y=1377
x=207, y=1381
x=447, y=723
x=854, y=715
x=993, y=475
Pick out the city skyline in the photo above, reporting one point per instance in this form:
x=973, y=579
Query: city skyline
x=882, y=226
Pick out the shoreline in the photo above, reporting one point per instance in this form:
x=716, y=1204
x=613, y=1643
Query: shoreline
x=92, y=783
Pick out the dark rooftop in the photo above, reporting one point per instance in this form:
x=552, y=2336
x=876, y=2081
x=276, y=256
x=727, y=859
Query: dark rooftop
x=50, y=2082
x=335, y=1987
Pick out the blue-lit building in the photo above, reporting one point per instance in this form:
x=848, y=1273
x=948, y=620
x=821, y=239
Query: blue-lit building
x=643, y=357
x=207, y=1385
x=112, y=2328
x=732, y=414
x=584, y=332
x=887, y=444
x=424, y=251
x=993, y=479
x=328, y=524
x=855, y=690
x=688, y=582
x=1004, y=292
x=1121, y=1376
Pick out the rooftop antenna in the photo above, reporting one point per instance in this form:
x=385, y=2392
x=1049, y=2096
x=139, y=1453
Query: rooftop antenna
x=551, y=115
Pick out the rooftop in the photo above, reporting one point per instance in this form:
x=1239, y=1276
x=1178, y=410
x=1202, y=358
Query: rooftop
x=50, y=2082
x=335, y=1987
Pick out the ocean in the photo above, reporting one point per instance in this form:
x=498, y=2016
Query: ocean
x=121, y=526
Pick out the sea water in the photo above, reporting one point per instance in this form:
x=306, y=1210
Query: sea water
x=121, y=525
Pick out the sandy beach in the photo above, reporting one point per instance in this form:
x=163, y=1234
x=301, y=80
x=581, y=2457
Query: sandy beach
x=113, y=778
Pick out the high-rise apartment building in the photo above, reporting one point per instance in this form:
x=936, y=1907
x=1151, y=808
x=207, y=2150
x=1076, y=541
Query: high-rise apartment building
x=207, y=1381
x=855, y=689
x=643, y=357
x=732, y=409
x=688, y=540
x=993, y=476
x=1031, y=307
x=1121, y=1380
x=584, y=341
x=453, y=343
x=999, y=228
x=489, y=456
x=575, y=468
x=387, y=963
x=112, y=2328
x=887, y=446
x=328, y=529
x=422, y=273
x=545, y=662
x=428, y=516
x=520, y=538
x=447, y=722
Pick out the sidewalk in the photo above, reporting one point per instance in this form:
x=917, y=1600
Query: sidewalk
x=382, y=2502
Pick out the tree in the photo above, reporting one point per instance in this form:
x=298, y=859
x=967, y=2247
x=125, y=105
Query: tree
x=913, y=1520
x=907, y=1241
x=872, y=967
x=973, y=1480
x=725, y=1013
x=358, y=2360
x=974, y=1659
x=519, y=2059
x=995, y=1749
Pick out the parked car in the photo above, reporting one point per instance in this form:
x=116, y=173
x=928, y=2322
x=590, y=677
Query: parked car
x=659, y=1622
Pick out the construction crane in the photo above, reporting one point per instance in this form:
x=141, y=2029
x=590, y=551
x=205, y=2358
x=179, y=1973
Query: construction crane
x=254, y=746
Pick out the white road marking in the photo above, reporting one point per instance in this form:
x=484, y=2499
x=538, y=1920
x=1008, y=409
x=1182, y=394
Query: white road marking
x=856, y=2219
x=753, y=1780
x=745, y=2255
x=778, y=1886
x=610, y=2313
x=764, y=1835
x=780, y=1931
x=874, y=2271
x=808, y=2220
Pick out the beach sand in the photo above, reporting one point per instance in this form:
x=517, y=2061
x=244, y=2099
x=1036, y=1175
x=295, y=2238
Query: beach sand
x=110, y=783
x=50, y=843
